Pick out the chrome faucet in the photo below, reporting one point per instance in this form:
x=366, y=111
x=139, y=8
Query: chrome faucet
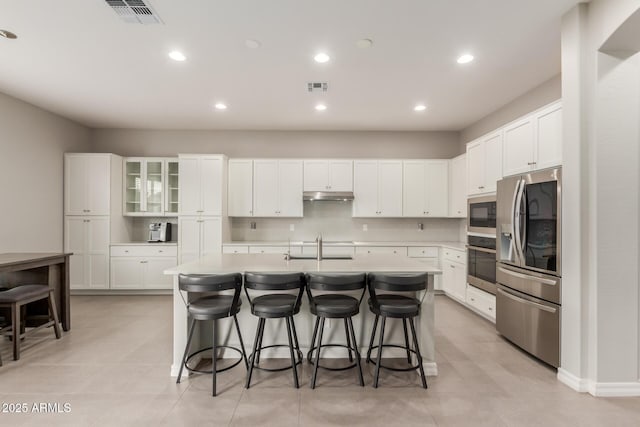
x=319, y=247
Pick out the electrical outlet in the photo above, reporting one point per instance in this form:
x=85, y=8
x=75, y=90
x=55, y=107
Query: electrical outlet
x=365, y=227
x=292, y=227
x=420, y=226
x=252, y=226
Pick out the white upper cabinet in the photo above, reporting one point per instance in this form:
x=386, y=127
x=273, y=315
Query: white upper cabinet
x=240, y=194
x=172, y=183
x=484, y=163
x=328, y=175
x=277, y=188
x=201, y=185
x=425, y=188
x=144, y=187
x=534, y=142
x=458, y=187
x=87, y=184
x=377, y=187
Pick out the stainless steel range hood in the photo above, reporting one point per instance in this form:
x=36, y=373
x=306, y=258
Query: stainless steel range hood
x=325, y=196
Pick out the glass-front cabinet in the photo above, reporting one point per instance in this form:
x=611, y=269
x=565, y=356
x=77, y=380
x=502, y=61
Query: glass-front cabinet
x=150, y=187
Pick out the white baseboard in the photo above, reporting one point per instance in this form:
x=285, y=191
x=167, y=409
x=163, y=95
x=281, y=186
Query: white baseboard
x=602, y=389
x=430, y=369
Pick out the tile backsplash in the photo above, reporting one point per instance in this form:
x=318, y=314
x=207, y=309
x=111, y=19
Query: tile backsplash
x=334, y=221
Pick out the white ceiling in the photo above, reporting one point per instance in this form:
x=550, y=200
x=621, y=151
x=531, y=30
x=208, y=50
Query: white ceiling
x=78, y=59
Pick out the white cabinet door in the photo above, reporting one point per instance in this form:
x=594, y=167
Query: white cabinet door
x=211, y=185
x=172, y=182
x=290, y=188
x=549, y=137
x=210, y=236
x=99, y=184
x=189, y=239
x=414, y=192
x=74, y=242
x=87, y=184
x=127, y=273
x=97, y=244
x=340, y=175
x=240, y=194
x=189, y=186
x=475, y=167
x=437, y=188
x=454, y=280
x=316, y=175
x=75, y=184
x=493, y=162
x=365, y=188
x=265, y=188
x=457, y=181
x=390, y=188
x=518, y=147
x=154, y=278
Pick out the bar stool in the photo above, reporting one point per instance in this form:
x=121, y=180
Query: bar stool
x=335, y=306
x=212, y=307
x=397, y=307
x=15, y=299
x=275, y=306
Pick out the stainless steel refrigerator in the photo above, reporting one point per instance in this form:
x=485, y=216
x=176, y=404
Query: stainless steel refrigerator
x=529, y=263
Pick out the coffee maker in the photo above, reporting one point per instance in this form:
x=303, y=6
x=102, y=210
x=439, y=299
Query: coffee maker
x=159, y=232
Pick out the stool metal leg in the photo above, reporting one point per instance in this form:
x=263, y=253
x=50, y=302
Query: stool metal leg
x=415, y=342
x=259, y=348
x=295, y=334
x=214, y=357
x=315, y=367
x=186, y=349
x=355, y=346
x=379, y=358
x=244, y=353
x=293, y=359
x=346, y=331
x=255, y=349
x=373, y=335
x=406, y=339
x=313, y=337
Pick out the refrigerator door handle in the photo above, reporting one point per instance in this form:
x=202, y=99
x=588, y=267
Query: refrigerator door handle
x=516, y=222
x=532, y=278
x=526, y=301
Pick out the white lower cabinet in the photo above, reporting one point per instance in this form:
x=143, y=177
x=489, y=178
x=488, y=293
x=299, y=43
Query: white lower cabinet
x=482, y=301
x=454, y=274
x=389, y=250
x=88, y=239
x=430, y=256
x=141, y=267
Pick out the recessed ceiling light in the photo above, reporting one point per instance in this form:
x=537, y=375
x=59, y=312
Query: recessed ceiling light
x=465, y=59
x=8, y=34
x=420, y=107
x=321, y=57
x=321, y=107
x=221, y=106
x=364, y=43
x=252, y=44
x=177, y=56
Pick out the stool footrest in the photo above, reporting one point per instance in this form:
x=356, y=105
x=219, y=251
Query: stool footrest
x=410, y=368
x=298, y=362
x=186, y=363
x=351, y=366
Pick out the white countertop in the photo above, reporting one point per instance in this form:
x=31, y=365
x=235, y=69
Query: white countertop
x=240, y=263
x=453, y=245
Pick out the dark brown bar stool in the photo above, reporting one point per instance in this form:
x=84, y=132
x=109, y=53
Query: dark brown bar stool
x=277, y=304
x=15, y=299
x=396, y=306
x=333, y=305
x=212, y=307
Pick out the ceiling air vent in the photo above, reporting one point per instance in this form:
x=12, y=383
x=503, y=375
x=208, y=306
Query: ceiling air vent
x=317, y=86
x=134, y=11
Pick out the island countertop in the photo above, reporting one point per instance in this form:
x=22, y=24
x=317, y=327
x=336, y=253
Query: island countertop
x=240, y=263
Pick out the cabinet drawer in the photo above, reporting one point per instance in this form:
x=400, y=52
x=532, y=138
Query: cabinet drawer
x=390, y=250
x=270, y=250
x=482, y=301
x=329, y=250
x=235, y=249
x=422, y=252
x=144, y=250
x=454, y=255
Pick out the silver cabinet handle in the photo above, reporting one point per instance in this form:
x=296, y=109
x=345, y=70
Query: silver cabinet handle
x=529, y=278
x=481, y=187
x=526, y=301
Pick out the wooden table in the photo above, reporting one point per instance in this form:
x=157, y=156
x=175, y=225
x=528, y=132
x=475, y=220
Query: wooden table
x=40, y=268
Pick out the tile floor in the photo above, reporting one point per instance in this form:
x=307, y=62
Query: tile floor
x=113, y=370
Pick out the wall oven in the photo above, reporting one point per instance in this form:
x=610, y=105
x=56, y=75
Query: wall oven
x=482, y=215
x=481, y=263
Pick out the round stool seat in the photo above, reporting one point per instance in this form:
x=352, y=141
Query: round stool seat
x=23, y=292
x=213, y=307
x=395, y=306
x=274, y=305
x=335, y=306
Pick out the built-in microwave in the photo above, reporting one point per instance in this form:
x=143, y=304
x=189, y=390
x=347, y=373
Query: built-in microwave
x=482, y=215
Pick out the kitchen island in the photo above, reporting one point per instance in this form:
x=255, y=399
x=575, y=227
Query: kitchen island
x=275, y=332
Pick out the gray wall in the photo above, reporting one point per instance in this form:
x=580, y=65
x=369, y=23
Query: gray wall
x=262, y=144
x=31, y=173
x=547, y=92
